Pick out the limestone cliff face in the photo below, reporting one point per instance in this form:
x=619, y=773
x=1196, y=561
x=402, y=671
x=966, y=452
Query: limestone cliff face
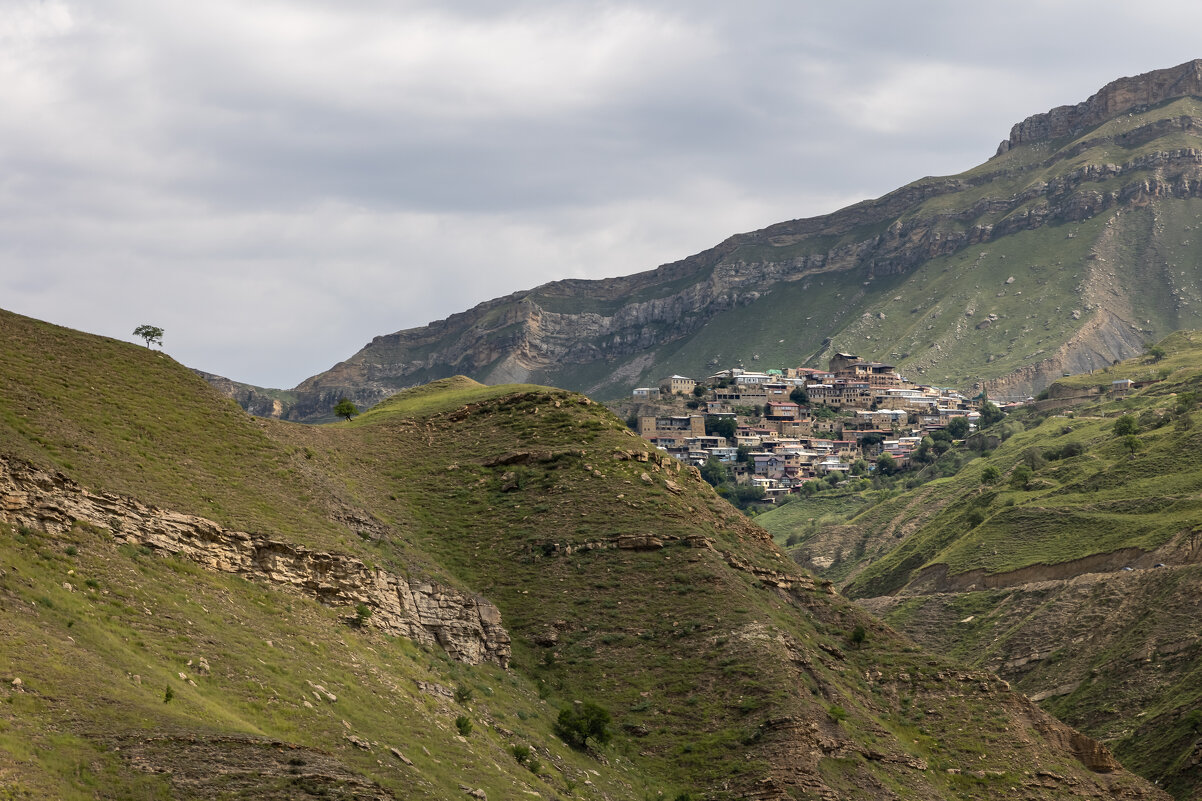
x=1117, y=97
x=467, y=627
x=603, y=336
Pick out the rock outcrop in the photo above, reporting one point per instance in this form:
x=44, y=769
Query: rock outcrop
x=598, y=336
x=1117, y=97
x=467, y=627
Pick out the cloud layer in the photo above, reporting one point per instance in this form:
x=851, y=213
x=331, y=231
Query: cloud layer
x=274, y=183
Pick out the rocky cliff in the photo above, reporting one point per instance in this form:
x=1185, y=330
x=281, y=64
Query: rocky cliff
x=1117, y=97
x=468, y=628
x=782, y=294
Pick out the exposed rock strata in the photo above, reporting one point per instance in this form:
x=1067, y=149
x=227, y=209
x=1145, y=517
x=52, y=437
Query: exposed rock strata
x=1116, y=97
x=549, y=332
x=467, y=627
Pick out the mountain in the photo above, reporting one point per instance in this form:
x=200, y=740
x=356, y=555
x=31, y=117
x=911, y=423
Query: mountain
x=427, y=601
x=1072, y=247
x=1066, y=557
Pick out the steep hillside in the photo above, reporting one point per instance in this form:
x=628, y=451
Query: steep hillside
x=199, y=604
x=1073, y=574
x=1071, y=248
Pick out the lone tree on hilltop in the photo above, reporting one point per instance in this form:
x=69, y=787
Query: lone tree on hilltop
x=150, y=333
x=346, y=409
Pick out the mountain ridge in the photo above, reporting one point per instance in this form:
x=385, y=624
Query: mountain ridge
x=787, y=291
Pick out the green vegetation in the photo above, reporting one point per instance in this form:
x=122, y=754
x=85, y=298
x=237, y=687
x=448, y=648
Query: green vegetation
x=345, y=409
x=152, y=334
x=620, y=577
x=1088, y=489
x=576, y=725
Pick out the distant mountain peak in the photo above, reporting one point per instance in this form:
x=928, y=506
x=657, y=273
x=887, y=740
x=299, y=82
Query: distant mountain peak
x=1116, y=97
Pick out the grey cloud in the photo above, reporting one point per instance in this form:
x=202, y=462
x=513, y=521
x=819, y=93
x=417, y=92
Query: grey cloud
x=277, y=183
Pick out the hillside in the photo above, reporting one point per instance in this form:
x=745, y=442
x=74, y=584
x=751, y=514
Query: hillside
x=1069, y=249
x=1074, y=574
x=200, y=604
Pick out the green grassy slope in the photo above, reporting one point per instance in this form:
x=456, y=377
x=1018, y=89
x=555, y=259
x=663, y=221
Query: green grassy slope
x=1036, y=581
x=1105, y=498
x=621, y=577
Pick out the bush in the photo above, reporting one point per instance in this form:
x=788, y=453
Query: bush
x=837, y=713
x=362, y=613
x=1020, y=477
x=464, y=724
x=1125, y=426
x=990, y=475
x=463, y=694
x=577, y=723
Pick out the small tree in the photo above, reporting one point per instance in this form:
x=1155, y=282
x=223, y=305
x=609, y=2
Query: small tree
x=990, y=414
x=958, y=427
x=150, y=333
x=886, y=465
x=799, y=396
x=1125, y=426
x=1156, y=353
x=577, y=723
x=346, y=409
x=990, y=475
x=1020, y=477
x=713, y=471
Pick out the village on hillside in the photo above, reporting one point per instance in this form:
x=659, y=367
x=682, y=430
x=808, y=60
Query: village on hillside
x=776, y=431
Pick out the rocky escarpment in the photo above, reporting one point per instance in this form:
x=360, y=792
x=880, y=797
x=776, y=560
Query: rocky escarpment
x=467, y=627
x=1117, y=97
x=603, y=336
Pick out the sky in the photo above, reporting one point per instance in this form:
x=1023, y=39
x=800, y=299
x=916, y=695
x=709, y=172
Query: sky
x=275, y=182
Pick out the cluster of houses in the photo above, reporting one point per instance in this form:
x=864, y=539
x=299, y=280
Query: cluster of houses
x=793, y=425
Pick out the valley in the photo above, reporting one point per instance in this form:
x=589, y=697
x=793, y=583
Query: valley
x=199, y=604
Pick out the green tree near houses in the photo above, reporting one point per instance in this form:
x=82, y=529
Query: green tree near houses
x=1125, y=426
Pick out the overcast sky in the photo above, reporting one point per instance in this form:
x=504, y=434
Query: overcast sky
x=276, y=182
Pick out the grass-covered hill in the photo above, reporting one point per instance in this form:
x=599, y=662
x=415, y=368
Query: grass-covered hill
x=1067, y=559
x=1073, y=246
x=200, y=604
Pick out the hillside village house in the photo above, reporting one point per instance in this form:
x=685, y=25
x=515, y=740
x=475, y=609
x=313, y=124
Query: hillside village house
x=856, y=409
x=677, y=385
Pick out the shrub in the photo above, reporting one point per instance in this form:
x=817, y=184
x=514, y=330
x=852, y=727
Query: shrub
x=521, y=753
x=990, y=475
x=463, y=694
x=362, y=613
x=1125, y=426
x=858, y=635
x=1020, y=477
x=837, y=713
x=464, y=724
x=577, y=723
